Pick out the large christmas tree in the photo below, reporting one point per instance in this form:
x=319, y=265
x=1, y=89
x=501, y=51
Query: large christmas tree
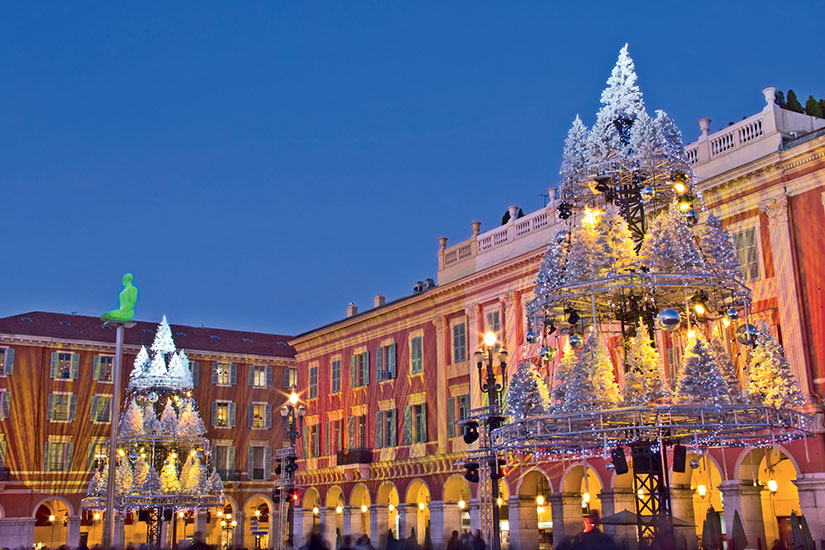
x=150, y=446
x=527, y=394
x=771, y=381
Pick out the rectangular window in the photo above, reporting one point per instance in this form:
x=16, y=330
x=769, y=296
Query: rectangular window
x=258, y=462
x=420, y=423
x=97, y=453
x=747, y=249
x=6, y=361
x=3, y=448
x=290, y=378
x=64, y=365
x=459, y=343
x=224, y=414
x=336, y=376
x=385, y=363
x=314, y=441
x=385, y=429
x=62, y=407
x=5, y=404
x=259, y=415
x=362, y=431
x=101, y=406
x=337, y=435
x=494, y=325
x=57, y=454
x=224, y=455
x=260, y=376
x=313, y=382
x=463, y=407
x=416, y=355
x=360, y=369
x=103, y=368
x=223, y=372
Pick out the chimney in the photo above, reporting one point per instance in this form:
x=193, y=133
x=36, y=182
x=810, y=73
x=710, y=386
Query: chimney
x=379, y=301
x=704, y=126
x=352, y=309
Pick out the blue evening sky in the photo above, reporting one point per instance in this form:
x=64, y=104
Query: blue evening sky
x=259, y=165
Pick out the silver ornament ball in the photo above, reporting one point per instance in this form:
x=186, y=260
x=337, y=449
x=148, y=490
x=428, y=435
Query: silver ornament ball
x=694, y=464
x=647, y=192
x=562, y=236
x=746, y=334
x=691, y=217
x=733, y=313
x=153, y=397
x=531, y=337
x=668, y=320
x=546, y=353
x=610, y=466
x=575, y=341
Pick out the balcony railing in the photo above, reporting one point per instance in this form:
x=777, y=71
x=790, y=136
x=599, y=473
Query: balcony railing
x=354, y=456
x=230, y=475
x=5, y=474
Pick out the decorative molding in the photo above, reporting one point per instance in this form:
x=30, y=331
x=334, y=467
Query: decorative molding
x=776, y=209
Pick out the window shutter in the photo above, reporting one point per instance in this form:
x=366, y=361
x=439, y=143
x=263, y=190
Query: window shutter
x=251, y=375
x=268, y=415
x=214, y=414
x=351, y=432
x=379, y=433
x=50, y=407
x=451, y=417
x=286, y=378
x=339, y=437
x=96, y=369
x=6, y=403
x=230, y=457
x=352, y=372
x=8, y=364
x=46, y=456
x=327, y=436
x=366, y=367
x=196, y=372
x=407, y=425
x=67, y=465
x=214, y=372
x=90, y=462
x=379, y=364
x=233, y=374
x=72, y=407
x=75, y=365
x=232, y=414
x=392, y=361
x=424, y=422
x=393, y=437
x=269, y=376
x=250, y=462
x=94, y=408
x=53, y=371
x=304, y=441
x=267, y=461
x=251, y=414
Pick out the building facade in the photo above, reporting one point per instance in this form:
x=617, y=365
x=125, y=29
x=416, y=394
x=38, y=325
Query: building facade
x=385, y=388
x=55, y=398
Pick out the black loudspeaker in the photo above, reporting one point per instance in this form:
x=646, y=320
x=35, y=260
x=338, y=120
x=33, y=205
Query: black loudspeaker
x=619, y=460
x=145, y=515
x=168, y=513
x=679, y=457
x=645, y=460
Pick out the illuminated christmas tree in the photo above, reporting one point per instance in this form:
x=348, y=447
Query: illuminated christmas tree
x=771, y=381
x=645, y=383
x=527, y=394
x=701, y=379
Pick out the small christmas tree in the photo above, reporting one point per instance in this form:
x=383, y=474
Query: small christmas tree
x=131, y=425
x=669, y=138
x=728, y=369
x=561, y=376
x=551, y=274
x=700, y=378
x=169, y=480
x=644, y=382
x=669, y=246
x=214, y=483
x=527, y=395
x=602, y=245
x=123, y=477
x=771, y=381
x=97, y=485
x=193, y=476
x=141, y=473
x=190, y=423
x=619, y=245
x=163, y=344
x=151, y=486
x=643, y=138
x=574, y=156
x=137, y=378
x=169, y=419
x=151, y=425
x=590, y=383
x=719, y=250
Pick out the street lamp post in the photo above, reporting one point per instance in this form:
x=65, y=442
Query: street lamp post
x=493, y=389
x=293, y=418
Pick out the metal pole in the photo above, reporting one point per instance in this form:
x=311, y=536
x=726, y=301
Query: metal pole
x=492, y=398
x=108, y=531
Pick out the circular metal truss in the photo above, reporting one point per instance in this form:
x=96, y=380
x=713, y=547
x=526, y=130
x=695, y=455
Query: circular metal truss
x=140, y=502
x=594, y=433
x=623, y=298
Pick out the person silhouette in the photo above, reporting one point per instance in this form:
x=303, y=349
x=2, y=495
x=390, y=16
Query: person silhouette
x=128, y=299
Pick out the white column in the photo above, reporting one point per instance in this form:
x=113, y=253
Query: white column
x=73, y=532
x=328, y=524
x=811, y=489
x=441, y=346
x=379, y=522
x=17, y=532
x=200, y=522
x=787, y=295
x=473, y=340
x=614, y=501
x=239, y=530
x=566, y=511
x=348, y=520
x=445, y=517
x=407, y=519
x=120, y=531
x=475, y=515
x=747, y=500
x=524, y=523
x=681, y=498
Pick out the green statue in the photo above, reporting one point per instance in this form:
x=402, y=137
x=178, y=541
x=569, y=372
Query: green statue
x=128, y=299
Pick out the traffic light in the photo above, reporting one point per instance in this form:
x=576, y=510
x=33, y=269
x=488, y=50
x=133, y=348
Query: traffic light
x=277, y=467
x=276, y=496
x=501, y=471
x=471, y=473
x=292, y=495
x=291, y=464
